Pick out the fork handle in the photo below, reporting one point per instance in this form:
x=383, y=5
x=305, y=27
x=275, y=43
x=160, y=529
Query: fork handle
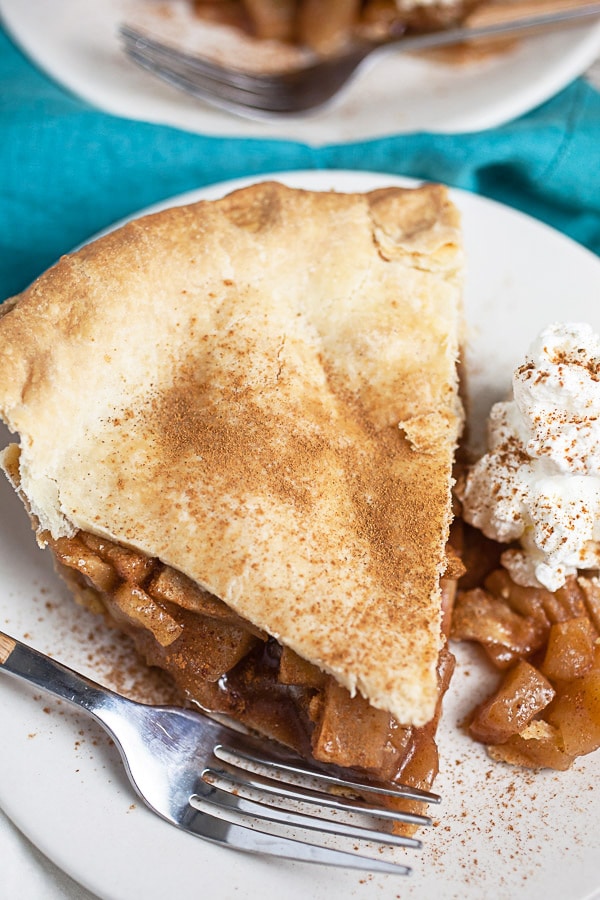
x=7, y=645
x=24, y=662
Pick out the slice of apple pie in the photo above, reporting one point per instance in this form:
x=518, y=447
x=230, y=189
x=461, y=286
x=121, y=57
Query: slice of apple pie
x=237, y=424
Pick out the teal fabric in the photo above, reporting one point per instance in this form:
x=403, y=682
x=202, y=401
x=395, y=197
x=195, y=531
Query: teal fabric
x=68, y=170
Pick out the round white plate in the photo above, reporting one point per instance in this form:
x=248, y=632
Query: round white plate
x=75, y=41
x=501, y=832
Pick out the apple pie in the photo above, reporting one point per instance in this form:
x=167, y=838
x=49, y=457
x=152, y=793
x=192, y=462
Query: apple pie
x=237, y=423
x=328, y=27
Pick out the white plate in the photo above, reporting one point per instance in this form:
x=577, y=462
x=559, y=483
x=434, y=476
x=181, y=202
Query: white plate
x=500, y=833
x=75, y=42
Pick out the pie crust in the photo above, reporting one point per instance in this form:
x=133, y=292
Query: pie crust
x=261, y=392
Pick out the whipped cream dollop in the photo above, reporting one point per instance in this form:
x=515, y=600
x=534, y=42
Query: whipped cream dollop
x=539, y=484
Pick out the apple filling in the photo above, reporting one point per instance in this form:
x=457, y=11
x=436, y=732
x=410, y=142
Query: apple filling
x=225, y=665
x=545, y=711
x=328, y=27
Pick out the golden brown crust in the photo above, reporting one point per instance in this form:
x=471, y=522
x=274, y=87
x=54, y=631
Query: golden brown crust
x=221, y=386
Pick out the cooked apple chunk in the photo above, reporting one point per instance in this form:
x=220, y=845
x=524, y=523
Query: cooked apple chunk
x=524, y=693
x=545, y=711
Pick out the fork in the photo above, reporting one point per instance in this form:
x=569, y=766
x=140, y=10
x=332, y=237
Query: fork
x=229, y=787
x=314, y=84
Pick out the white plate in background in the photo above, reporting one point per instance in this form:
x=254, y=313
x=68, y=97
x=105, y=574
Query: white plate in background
x=501, y=832
x=76, y=43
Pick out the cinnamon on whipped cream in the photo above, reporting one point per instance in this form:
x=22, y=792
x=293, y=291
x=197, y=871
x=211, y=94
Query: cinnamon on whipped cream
x=539, y=482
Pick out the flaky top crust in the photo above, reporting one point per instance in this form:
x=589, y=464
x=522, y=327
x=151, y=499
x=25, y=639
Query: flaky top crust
x=261, y=391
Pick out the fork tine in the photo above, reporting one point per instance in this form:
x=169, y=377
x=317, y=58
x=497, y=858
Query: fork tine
x=355, y=832
x=245, y=832
x=242, y=92
x=257, y=786
x=199, y=73
x=255, y=82
x=209, y=89
x=240, y=752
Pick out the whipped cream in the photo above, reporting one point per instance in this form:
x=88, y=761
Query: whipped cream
x=539, y=483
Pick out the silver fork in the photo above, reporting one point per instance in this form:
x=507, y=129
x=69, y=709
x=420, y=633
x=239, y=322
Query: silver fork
x=228, y=787
x=313, y=85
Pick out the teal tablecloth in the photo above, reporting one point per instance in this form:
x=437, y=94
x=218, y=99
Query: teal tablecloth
x=68, y=170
